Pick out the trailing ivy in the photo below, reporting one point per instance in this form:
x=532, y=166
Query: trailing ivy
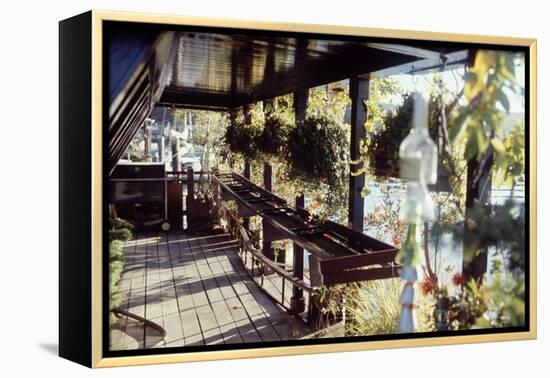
x=318, y=157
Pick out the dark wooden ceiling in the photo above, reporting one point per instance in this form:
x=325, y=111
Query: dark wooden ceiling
x=219, y=71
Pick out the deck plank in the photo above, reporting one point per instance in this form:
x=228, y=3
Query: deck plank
x=197, y=289
x=170, y=307
x=153, y=299
x=286, y=325
x=207, y=292
x=233, y=290
x=224, y=317
x=135, y=331
x=182, y=275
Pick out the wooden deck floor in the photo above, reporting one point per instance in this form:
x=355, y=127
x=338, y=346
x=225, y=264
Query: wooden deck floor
x=195, y=287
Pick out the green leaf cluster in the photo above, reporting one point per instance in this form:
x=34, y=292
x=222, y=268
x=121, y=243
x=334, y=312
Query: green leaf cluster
x=480, y=120
x=382, y=147
x=120, y=231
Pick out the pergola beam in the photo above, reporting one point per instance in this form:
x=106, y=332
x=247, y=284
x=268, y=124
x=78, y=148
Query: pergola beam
x=423, y=66
x=178, y=96
x=359, y=92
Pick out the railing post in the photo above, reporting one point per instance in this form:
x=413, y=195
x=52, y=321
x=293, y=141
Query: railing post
x=283, y=292
x=161, y=148
x=148, y=137
x=190, y=195
x=297, y=304
x=267, y=248
x=247, y=110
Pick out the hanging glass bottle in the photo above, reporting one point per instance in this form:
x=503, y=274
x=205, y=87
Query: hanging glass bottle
x=418, y=165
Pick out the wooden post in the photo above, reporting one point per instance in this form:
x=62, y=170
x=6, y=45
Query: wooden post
x=478, y=190
x=232, y=120
x=297, y=303
x=359, y=92
x=267, y=248
x=148, y=135
x=190, y=195
x=161, y=147
x=176, y=164
x=247, y=110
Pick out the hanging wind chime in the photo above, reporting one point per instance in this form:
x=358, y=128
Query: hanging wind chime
x=418, y=161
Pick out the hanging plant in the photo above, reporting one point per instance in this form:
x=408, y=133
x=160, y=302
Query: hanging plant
x=318, y=157
x=242, y=138
x=383, y=147
x=273, y=141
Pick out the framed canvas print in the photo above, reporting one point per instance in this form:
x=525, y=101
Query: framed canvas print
x=234, y=189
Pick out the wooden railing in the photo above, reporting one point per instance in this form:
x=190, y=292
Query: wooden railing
x=336, y=253
x=266, y=273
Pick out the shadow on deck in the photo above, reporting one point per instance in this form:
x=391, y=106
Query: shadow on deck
x=196, y=288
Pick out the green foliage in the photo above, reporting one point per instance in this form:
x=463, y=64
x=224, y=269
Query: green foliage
x=120, y=231
x=371, y=307
x=500, y=225
x=505, y=302
x=501, y=303
x=384, y=223
x=116, y=264
x=119, y=223
x=509, y=163
x=318, y=157
x=374, y=309
x=328, y=100
x=467, y=306
x=382, y=148
x=479, y=121
x=120, y=234
x=209, y=128
x=312, y=156
x=380, y=90
x=241, y=139
x=272, y=143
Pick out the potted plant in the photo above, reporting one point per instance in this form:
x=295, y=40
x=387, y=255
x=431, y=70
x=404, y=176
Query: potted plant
x=383, y=146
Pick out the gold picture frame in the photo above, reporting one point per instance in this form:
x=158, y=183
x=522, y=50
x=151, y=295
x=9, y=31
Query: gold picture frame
x=93, y=263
